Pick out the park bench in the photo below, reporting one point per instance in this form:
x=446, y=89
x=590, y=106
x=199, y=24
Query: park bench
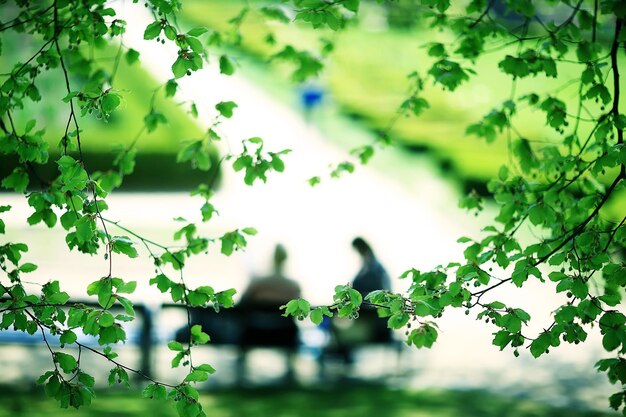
x=245, y=329
x=347, y=337
x=249, y=328
x=140, y=334
x=239, y=328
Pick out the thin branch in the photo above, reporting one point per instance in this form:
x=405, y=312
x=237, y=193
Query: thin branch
x=40, y=50
x=570, y=18
x=608, y=243
x=57, y=31
x=616, y=88
x=578, y=229
x=42, y=325
x=45, y=340
x=121, y=365
x=15, y=22
x=595, y=21
x=566, y=239
x=482, y=16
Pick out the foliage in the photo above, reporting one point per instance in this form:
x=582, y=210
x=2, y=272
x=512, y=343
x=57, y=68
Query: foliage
x=557, y=185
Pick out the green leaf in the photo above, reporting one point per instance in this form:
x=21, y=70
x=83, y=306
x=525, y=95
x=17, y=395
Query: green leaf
x=316, y=316
x=197, y=376
x=160, y=393
x=105, y=294
x=198, y=336
x=126, y=287
x=274, y=13
x=152, y=30
x=118, y=375
x=195, y=32
x=67, y=362
x=398, y=320
x=18, y=180
x=86, y=379
x=76, y=317
x=170, y=32
x=85, y=229
x=540, y=345
x=177, y=359
x=73, y=175
x=106, y=319
x=616, y=400
x=148, y=391
x=27, y=267
x=197, y=47
x=207, y=211
x=197, y=298
x=205, y=367
x=496, y=305
x=226, y=66
x=170, y=88
x=437, y=50
x=521, y=314
x=127, y=304
x=352, y=5
x=225, y=108
x=175, y=346
x=68, y=337
x=155, y=391
x=122, y=244
x=179, y=67
x=422, y=309
x=110, y=101
x=111, y=335
x=43, y=378
x=132, y=56
x=424, y=336
x=225, y=298
x=53, y=386
x=153, y=120
x=249, y=231
x=448, y=73
x=162, y=282
x=611, y=341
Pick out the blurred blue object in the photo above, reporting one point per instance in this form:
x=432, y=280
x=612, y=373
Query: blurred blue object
x=311, y=96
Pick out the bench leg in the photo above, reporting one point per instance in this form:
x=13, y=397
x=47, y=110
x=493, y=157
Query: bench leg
x=290, y=374
x=241, y=366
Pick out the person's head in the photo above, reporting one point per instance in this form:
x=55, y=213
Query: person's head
x=280, y=256
x=362, y=247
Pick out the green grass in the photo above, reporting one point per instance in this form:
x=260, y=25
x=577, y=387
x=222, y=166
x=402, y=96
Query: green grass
x=99, y=137
x=137, y=88
x=367, y=77
x=339, y=402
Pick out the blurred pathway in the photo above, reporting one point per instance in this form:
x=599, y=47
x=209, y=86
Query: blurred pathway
x=316, y=224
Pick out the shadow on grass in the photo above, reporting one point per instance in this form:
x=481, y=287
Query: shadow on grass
x=297, y=402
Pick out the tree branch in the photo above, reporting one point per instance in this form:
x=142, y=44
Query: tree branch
x=616, y=88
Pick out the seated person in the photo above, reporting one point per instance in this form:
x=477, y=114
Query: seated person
x=256, y=320
x=371, y=277
x=275, y=289
x=263, y=323
x=265, y=326
x=347, y=334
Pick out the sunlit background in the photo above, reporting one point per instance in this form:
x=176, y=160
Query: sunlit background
x=404, y=202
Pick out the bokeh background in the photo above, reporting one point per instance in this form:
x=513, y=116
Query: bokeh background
x=404, y=202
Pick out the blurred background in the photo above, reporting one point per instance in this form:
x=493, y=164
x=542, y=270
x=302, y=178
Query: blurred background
x=403, y=203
